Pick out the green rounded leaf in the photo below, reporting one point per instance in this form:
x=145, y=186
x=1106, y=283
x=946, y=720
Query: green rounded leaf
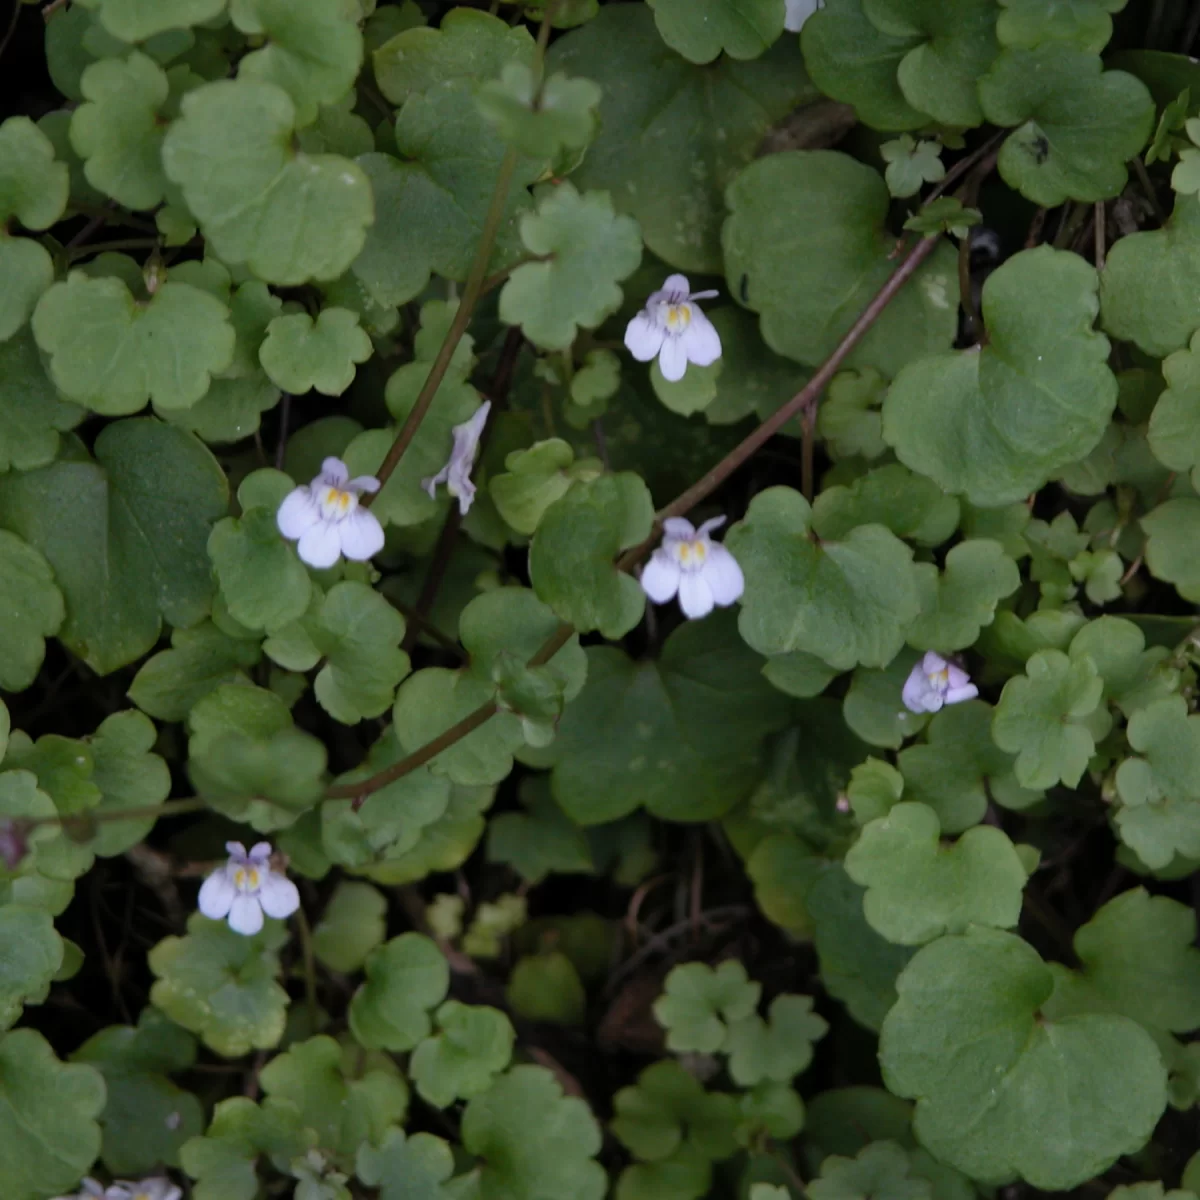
x=118, y=132
x=959, y=602
x=682, y=735
x=125, y=536
x=855, y=61
x=959, y=768
x=535, y=1143
x=673, y=135
x=33, y=187
x=806, y=247
x=289, y=216
x=847, y=601
x=1171, y=531
x=313, y=49
x=48, y=1131
x=571, y=558
x=146, y=1118
x=1146, y=293
x=880, y=1170
x=299, y=354
x=699, y=1004
x=222, y=986
x=112, y=353
x=998, y=422
x=406, y=1168
x=1050, y=718
x=919, y=889
x=138, y=20
x=701, y=29
x=472, y=1046
x=1031, y=1097
x=775, y=1049
x=34, y=610
x=406, y=978
x=590, y=249
x=950, y=48
x=1079, y=124
x=31, y=954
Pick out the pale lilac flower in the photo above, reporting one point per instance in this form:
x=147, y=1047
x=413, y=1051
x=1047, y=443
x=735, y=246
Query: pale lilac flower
x=796, y=12
x=325, y=517
x=456, y=474
x=156, y=1188
x=673, y=328
x=245, y=888
x=689, y=562
x=934, y=682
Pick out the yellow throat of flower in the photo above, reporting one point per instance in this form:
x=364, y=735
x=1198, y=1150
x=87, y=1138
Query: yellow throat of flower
x=692, y=554
x=679, y=317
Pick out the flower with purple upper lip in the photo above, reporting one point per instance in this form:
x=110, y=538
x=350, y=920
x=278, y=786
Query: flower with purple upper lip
x=327, y=520
x=690, y=563
x=245, y=888
x=935, y=682
x=672, y=328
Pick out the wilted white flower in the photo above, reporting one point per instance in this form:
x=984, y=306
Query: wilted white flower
x=672, y=327
x=934, y=682
x=456, y=474
x=796, y=12
x=689, y=562
x=245, y=888
x=157, y=1188
x=325, y=517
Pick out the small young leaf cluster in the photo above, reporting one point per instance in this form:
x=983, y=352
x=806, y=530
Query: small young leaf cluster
x=599, y=598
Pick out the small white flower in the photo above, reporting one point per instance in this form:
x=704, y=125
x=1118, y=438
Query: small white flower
x=326, y=519
x=934, y=682
x=456, y=474
x=156, y=1188
x=796, y=12
x=245, y=888
x=672, y=327
x=689, y=562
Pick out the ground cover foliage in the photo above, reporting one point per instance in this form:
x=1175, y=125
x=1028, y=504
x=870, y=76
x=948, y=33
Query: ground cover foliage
x=645, y=557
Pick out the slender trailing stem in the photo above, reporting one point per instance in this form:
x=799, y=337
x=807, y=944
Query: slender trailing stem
x=472, y=289
x=1147, y=183
x=310, y=966
x=963, y=165
x=170, y=808
x=704, y=487
x=119, y=244
x=456, y=732
x=12, y=26
x=462, y=318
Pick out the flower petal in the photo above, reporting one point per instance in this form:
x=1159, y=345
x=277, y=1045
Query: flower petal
x=278, y=895
x=711, y=524
x=723, y=576
x=321, y=545
x=701, y=341
x=298, y=513
x=796, y=12
x=956, y=695
x=918, y=690
x=236, y=850
x=364, y=483
x=334, y=471
x=430, y=484
x=676, y=283
x=933, y=662
x=464, y=492
x=259, y=853
x=246, y=916
x=660, y=577
x=217, y=895
x=361, y=535
x=679, y=527
x=695, y=596
x=956, y=677
x=643, y=338
x=673, y=359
